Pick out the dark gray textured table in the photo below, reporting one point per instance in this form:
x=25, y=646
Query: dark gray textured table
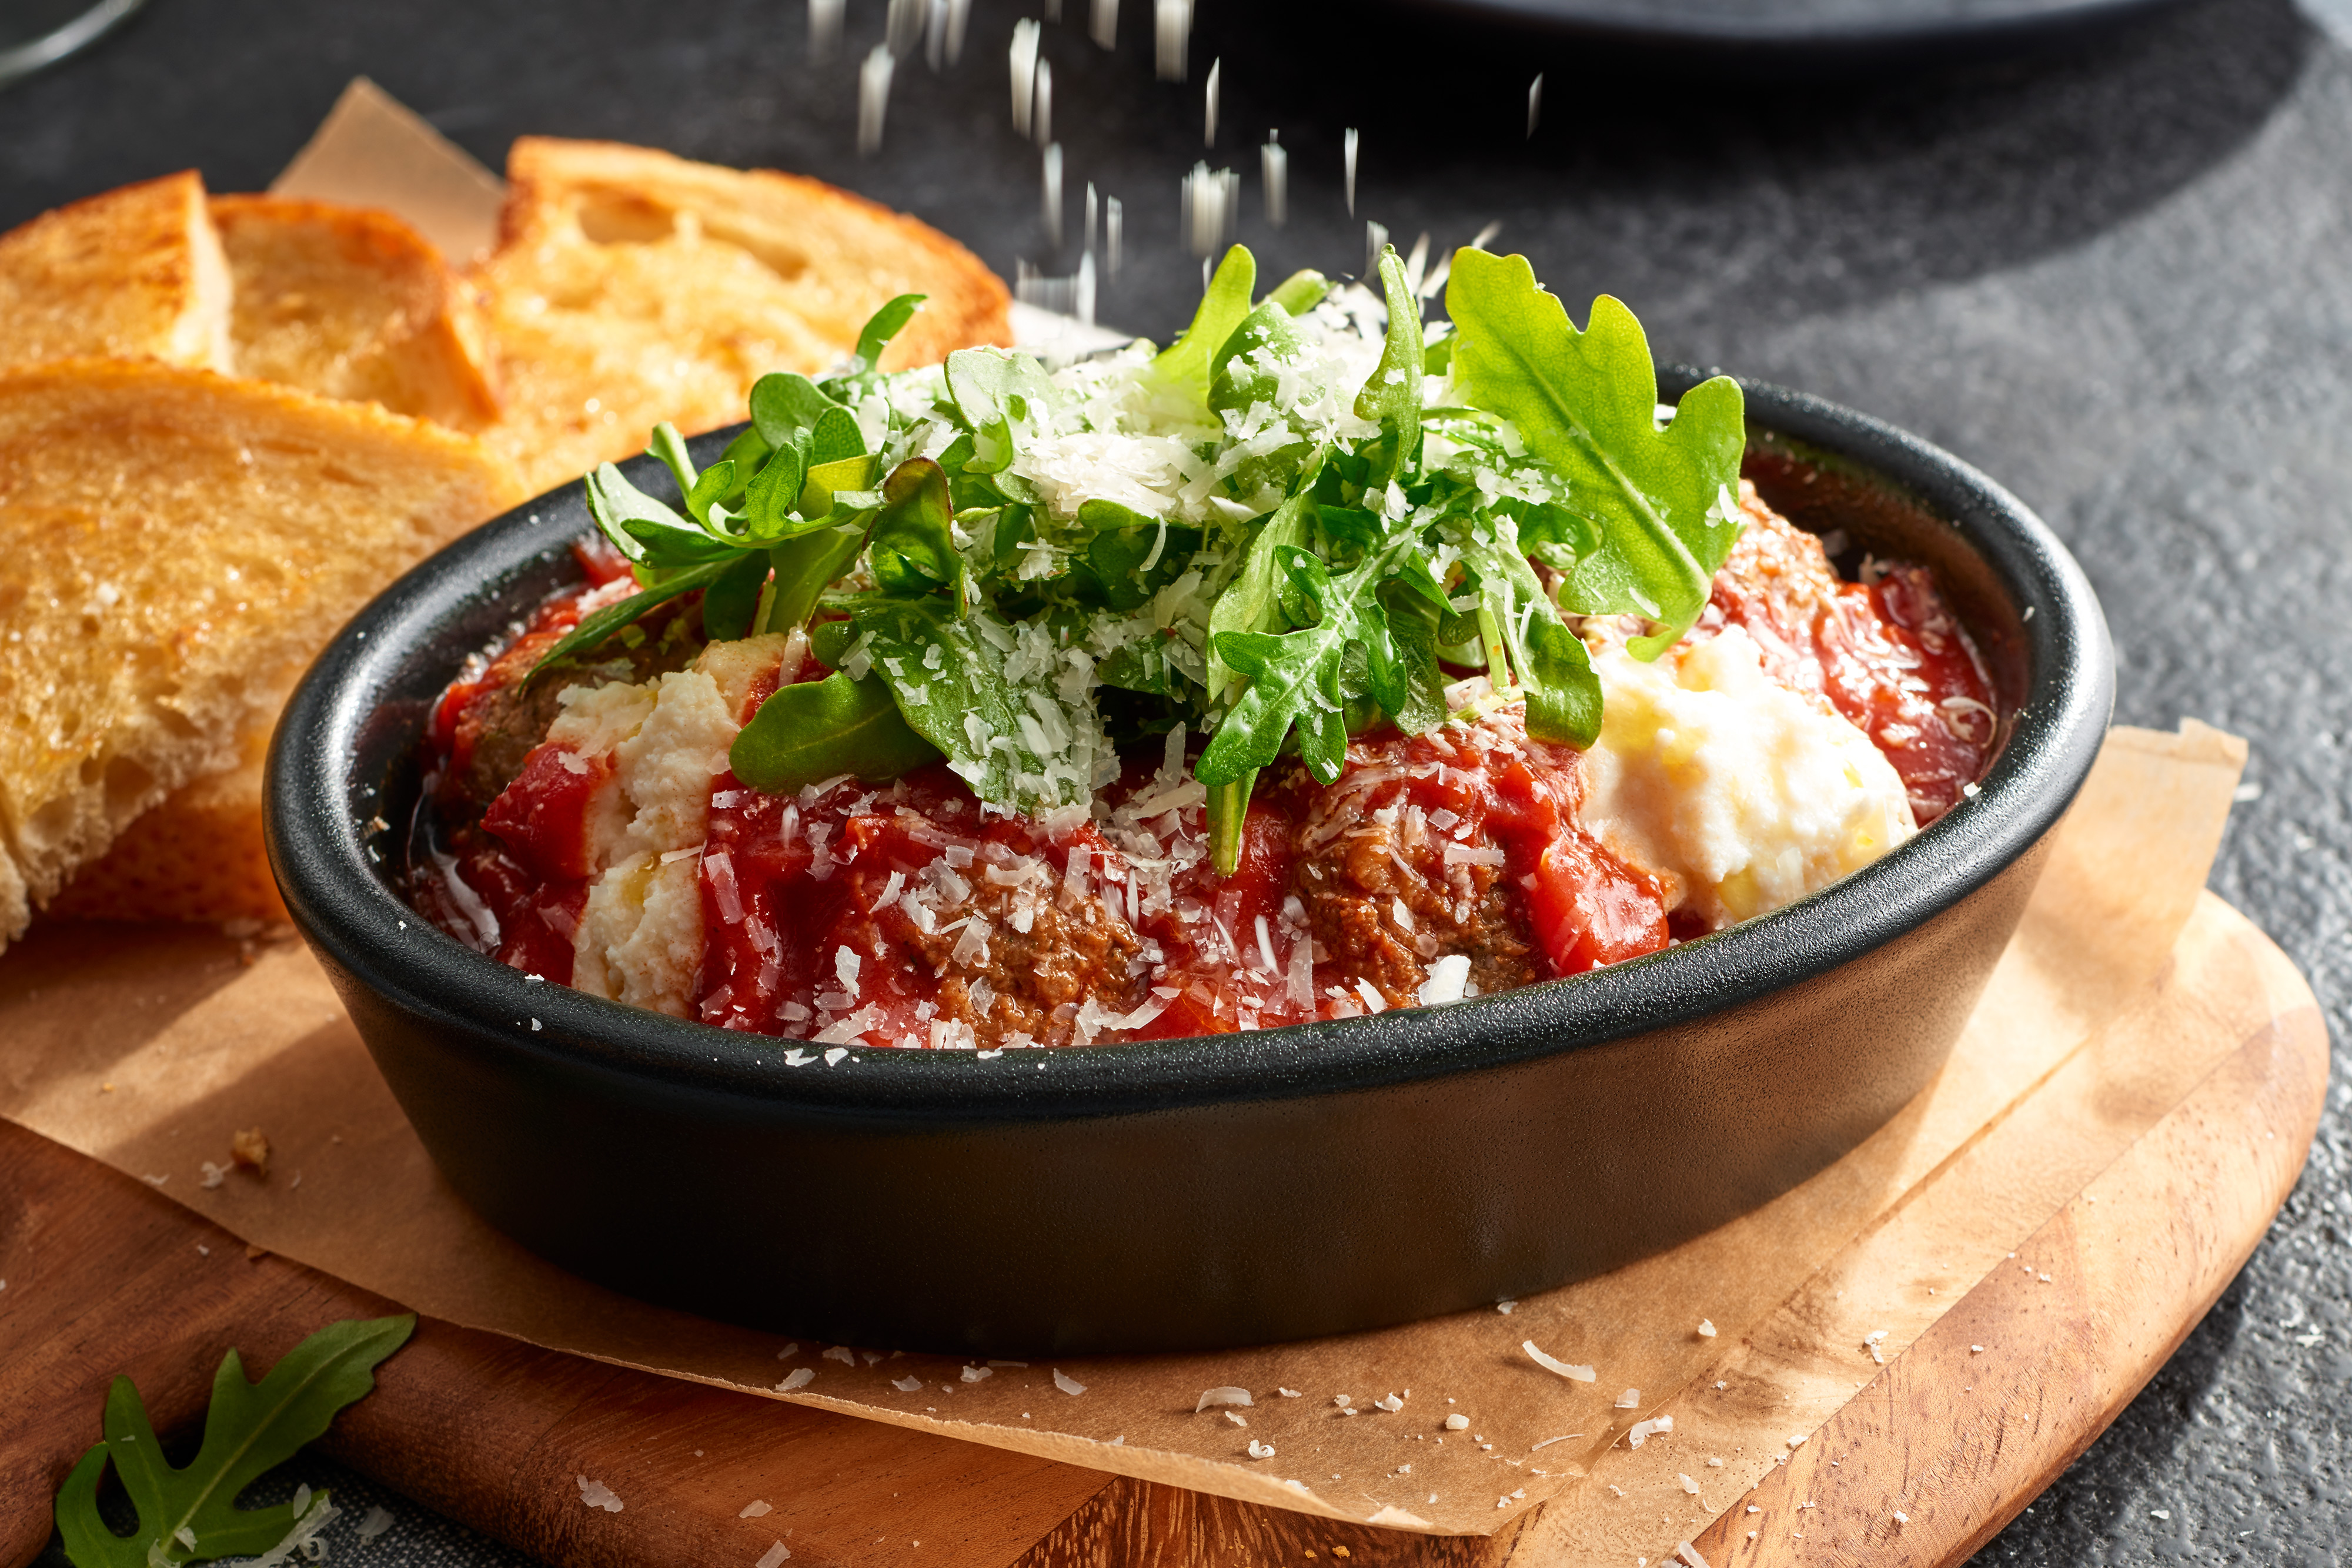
x=2120, y=280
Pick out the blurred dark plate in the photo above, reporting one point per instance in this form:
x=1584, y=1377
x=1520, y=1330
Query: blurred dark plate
x=1805, y=35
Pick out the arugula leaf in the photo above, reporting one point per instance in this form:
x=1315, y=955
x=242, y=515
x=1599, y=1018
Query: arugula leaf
x=1585, y=403
x=731, y=602
x=1301, y=291
x=668, y=445
x=880, y=328
x=835, y=438
x=189, y=1513
x=596, y=628
x=1548, y=663
x=774, y=491
x=785, y=405
x=1297, y=680
x=1404, y=677
x=1222, y=306
x=1392, y=395
x=912, y=547
x=820, y=729
x=826, y=480
x=805, y=566
x=992, y=389
x=999, y=736
x=648, y=532
x=1250, y=603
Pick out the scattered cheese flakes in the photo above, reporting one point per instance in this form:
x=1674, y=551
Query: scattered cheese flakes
x=842, y=1353
x=801, y=1379
x=213, y=1175
x=1629, y=1400
x=1228, y=1395
x=1504, y=1307
x=1551, y=1363
x=596, y=1494
x=1689, y=1485
x=1797, y=1441
x=1070, y=1385
x=1706, y=1328
x=378, y=1521
x=756, y=1508
x=1688, y=1555
x=1258, y=1451
x=906, y=1385
x=1639, y=1432
x=789, y=1351
x=774, y=1554
x=1901, y=1517
x=1457, y=1422
x=1288, y=1393
x=1392, y=1404
x=1235, y=1416
x=975, y=1374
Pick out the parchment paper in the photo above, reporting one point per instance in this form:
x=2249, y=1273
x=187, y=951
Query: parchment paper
x=148, y=1046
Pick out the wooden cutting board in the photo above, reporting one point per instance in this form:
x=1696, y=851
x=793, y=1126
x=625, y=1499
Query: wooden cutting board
x=1921, y=1466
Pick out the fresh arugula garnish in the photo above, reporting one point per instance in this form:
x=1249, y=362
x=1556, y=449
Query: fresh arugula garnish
x=821, y=729
x=1330, y=557
x=188, y=1513
x=1586, y=403
x=1225, y=305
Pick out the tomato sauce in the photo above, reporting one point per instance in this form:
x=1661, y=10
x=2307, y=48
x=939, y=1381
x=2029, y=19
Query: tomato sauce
x=909, y=914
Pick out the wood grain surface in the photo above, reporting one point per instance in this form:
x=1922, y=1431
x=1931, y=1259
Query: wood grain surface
x=104, y=1275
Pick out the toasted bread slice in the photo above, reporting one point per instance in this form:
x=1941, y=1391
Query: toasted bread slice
x=631, y=287
x=171, y=541
x=136, y=273
x=350, y=303
x=198, y=855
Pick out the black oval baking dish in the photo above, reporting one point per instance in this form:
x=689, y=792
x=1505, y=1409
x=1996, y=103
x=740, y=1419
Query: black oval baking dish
x=1193, y=1193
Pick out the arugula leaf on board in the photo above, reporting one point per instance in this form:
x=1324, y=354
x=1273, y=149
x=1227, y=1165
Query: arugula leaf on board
x=1223, y=305
x=821, y=729
x=1585, y=403
x=188, y=1513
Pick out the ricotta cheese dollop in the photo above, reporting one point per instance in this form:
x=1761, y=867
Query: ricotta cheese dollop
x=1738, y=794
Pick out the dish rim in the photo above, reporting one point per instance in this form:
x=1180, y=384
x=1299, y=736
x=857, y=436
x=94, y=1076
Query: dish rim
x=316, y=818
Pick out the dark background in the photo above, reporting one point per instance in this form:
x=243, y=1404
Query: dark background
x=2117, y=276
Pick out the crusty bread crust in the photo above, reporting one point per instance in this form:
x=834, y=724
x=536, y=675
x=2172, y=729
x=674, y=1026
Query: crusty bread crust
x=171, y=541
x=631, y=287
x=135, y=273
x=353, y=304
